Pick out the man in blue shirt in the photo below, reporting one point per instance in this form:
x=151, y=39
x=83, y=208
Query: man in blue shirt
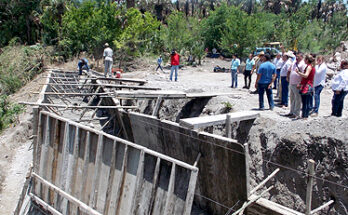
x=234, y=71
x=82, y=64
x=265, y=77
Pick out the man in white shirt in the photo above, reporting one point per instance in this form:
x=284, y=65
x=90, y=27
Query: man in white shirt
x=278, y=63
x=287, y=58
x=319, y=83
x=340, y=87
x=294, y=81
x=107, y=60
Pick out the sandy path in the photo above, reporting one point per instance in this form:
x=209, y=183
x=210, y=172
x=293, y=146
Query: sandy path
x=203, y=79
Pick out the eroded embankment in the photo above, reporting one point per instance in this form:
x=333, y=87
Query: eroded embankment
x=289, y=145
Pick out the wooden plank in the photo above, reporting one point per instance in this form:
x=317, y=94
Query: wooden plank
x=132, y=80
x=228, y=126
x=43, y=192
x=157, y=106
x=120, y=186
x=275, y=207
x=104, y=85
x=139, y=179
x=64, y=163
x=71, y=175
x=155, y=184
x=110, y=179
x=322, y=207
x=311, y=164
x=96, y=178
x=85, y=164
x=71, y=94
x=77, y=107
x=264, y=181
x=44, y=205
x=56, y=142
x=190, y=192
x=169, y=201
x=206, y=121
x=67, y=196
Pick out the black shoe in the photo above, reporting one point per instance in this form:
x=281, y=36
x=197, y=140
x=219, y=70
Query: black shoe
x=254, y=92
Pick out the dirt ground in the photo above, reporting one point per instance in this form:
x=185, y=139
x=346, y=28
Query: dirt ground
x=16, y=149
x=15, y=142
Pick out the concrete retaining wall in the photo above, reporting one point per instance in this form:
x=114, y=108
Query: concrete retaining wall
x=222, y=164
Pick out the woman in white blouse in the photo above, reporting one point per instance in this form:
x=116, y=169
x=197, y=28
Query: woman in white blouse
x=340, y=88
x=319, y=83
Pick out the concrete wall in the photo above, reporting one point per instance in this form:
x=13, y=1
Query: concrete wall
x=109, y=174
x=222, y=165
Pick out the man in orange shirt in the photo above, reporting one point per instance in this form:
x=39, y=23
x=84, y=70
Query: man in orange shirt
x=174, y=62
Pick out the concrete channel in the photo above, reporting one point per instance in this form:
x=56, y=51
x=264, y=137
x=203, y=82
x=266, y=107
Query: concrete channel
x=108, y=160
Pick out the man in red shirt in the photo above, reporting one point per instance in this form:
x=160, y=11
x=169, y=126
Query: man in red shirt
x=174, y=62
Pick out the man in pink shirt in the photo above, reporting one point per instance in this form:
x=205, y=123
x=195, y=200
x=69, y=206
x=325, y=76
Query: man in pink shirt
x=294, y=80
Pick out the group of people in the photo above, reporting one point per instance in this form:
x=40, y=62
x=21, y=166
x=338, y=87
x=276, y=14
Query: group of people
x=295, y=75
x=107, y=59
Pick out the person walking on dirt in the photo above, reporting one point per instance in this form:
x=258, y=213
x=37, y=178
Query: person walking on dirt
x=82, y=64
x=294, y=80
x=235, y=63
x=249, y=63
x=265, y=77
x=340, y=87
x=319, y=83
x=159, y=62
x=174, y=62
x=108, y=53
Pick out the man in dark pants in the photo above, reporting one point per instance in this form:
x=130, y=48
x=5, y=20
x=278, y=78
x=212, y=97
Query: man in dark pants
x=82, y=64
x=265, y=77
x=340, y=87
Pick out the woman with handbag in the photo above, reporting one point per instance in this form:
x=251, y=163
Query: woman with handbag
x=306, y=85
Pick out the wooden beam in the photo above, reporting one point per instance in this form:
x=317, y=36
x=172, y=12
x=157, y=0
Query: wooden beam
x=72, y=94
x=89, y=102
x=132, y=80
x=44, y=205
x=104, y=85
x=252, y=201
x=85, y=208
x=76, y=106
x=264, y=181
x=168, y=205
x=228, y=126
x=157, y=106
x=206, y=121
x=309, y=186
x=322, y=207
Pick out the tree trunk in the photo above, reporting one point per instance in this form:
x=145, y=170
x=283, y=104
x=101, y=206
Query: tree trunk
x=28, y=30
x=178, y=5
x=250, y=6
x=187, y=9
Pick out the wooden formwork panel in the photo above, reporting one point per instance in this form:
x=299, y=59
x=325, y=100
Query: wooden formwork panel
x=107, y=174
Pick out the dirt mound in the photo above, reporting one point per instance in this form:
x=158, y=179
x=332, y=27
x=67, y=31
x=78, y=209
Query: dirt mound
x=288, y=146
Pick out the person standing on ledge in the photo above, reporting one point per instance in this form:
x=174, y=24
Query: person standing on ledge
x=265, y=77
x=107, y=60
x=174, y=62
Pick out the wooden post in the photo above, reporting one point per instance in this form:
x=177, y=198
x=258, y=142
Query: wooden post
x=157, y=106
x=247, y=171
x=228, y=126
x=190, y=192
x=155, y=184
x=264, y=181
x=309, y=186
x=95, y=181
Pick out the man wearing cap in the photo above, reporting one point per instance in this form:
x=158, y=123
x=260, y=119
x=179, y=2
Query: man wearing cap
x=107, y=60
x=265, y=77
x=287, y=58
